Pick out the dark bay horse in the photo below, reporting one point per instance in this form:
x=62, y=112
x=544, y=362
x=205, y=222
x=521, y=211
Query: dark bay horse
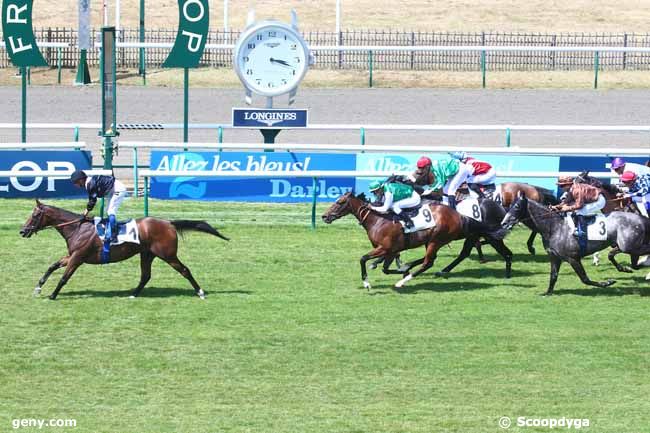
x=629, y=232
x=508, y=194
x=158, y=238
x=388, y=238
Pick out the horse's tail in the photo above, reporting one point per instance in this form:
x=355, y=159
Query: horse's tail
x=548, y=196
x=199, y=226
x=473, y=226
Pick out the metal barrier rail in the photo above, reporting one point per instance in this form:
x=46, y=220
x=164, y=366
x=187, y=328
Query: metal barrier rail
x=60, y=145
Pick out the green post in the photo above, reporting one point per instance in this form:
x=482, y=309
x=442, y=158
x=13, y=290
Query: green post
x=363, y=136
x=76, y=133
x=483, y=66
x=146, y=196
x=29, y=75
x=596, y=67
x=186, y=105
x=507, y=137
x=23, y=73
x=83, y=74
x=135, y=171
x=370, y=68
x=313, y=203
x=58, y=65
x=220, y=136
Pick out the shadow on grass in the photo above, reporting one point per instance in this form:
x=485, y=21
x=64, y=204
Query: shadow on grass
x=148, y=292
x=640, y=287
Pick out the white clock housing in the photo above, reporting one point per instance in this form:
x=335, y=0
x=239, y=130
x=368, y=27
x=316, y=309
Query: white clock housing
x=271, y=58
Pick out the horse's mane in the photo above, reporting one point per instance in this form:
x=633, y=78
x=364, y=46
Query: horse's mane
x=541, y=207
x=63, y=212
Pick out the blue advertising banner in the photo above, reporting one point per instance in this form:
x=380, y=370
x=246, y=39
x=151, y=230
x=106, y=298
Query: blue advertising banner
x=282, y=189
x=40, y=187
x=502, y=163
x=268, y=118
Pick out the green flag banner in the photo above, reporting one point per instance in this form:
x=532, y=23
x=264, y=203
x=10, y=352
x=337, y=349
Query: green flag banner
x=193, y=25
x=18, y=33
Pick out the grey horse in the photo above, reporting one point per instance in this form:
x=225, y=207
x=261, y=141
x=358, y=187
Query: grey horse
x=628, y=233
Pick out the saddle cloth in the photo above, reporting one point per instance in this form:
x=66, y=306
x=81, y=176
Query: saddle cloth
x=596, y=229
x=422, y=219
x=127, y=231
x=470, y=207
x=492, y=194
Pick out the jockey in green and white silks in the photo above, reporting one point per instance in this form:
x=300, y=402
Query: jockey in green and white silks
x=395, y=196
x=448, y=174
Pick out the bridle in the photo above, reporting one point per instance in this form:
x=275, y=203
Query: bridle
x=36, y=227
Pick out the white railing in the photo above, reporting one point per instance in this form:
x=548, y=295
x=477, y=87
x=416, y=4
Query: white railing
x=354, y=148
x=63, y=174
x=58, y=145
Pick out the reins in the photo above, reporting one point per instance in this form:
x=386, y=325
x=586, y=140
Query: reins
x=58, y=226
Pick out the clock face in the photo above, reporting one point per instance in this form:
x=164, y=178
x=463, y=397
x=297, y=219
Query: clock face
x=271, y=59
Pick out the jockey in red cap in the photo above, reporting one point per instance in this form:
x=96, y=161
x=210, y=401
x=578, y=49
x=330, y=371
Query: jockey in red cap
x=638, y=190
x=620, y=166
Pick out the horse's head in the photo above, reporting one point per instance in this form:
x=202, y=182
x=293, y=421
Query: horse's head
x=423, y=176
x=36, y=221
x=341, y=207
x=517, y=211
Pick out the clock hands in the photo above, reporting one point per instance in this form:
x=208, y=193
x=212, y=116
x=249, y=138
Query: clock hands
x=281, y=62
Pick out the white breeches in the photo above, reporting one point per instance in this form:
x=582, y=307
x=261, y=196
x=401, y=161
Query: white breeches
x=484, y=179
x=592, y=208
x=455, y=182
x=641, y=203
x=115, y=197
x=412, y=201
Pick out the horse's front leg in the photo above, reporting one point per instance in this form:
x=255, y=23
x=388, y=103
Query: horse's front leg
x=580, y=270
x=56, y=265
x=377, y=252
x=73, y=263
x=530, y=242
x=464, y=253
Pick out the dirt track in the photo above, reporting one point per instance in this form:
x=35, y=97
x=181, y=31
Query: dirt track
x=366, y=106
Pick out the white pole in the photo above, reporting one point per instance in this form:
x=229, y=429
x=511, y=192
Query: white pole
x=105, y=8
x=225, y=15
x=117, y=16
x=338, y=19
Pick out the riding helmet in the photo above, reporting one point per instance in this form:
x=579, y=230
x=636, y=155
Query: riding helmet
x=423, y=162
x=77, y=176
x=628, y=176
x=375, y=185
x=617, y=163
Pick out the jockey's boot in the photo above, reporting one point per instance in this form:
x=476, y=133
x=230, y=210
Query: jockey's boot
x=581, y=233
x=476, y=188
x=112, y=223
x=451, y=201
x=408, y=222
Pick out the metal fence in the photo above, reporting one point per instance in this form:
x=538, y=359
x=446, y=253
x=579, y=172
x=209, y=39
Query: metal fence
x=424, y=61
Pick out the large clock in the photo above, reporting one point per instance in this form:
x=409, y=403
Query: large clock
x=271, y=58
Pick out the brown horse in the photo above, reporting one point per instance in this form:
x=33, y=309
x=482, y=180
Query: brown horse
x=388, y=238
x=158, y=238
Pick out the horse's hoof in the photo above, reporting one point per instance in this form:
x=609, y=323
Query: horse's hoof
x=545, y=294
x=52, y=298
x=608, y=283
x=626, y=269
x=366, y=285
x=201, y=294
x=647, y=277
x=483, y=261
x=442, y=274
x=532, y=251
x=132, y=297
x=403, y=281
x=373, y=266
x=37, y=291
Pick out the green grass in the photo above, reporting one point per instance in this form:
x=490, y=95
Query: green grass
x=288, y=341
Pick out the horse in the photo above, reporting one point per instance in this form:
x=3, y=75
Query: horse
x=629, y=232
x=388, y=238
x=507, y=196
x=158, y=238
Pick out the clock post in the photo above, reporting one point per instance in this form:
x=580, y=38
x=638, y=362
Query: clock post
x=271, y=58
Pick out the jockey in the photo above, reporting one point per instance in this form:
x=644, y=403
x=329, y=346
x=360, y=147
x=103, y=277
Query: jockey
x=638, y=190
x=448, y=174
x=396, y=196
x=620, y=166
x=584, y=200
x=483, y=174
x=102, y=187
